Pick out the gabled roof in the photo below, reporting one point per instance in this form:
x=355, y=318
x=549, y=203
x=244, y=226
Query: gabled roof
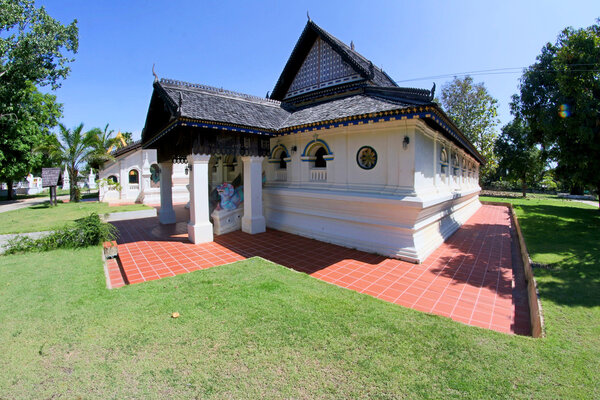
x=371, y=74
x=208, y=103
x=223, y=108
x=369, y=96
x=129, y=148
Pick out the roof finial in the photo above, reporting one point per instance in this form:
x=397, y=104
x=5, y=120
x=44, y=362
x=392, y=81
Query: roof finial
x=154, y=73
x=431, y=96
x=352, y=45
x=308, y=16
x=267, y=96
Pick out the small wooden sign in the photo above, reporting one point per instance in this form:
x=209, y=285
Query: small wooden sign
x=50, y=176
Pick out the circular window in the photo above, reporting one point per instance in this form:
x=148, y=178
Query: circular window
x=366, y=157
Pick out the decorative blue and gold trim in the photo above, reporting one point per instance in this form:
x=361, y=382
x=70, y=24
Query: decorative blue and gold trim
x=317, y=142
x=287, y=158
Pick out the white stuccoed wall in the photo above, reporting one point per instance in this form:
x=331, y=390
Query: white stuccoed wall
x=130, y=193
x=403, y=207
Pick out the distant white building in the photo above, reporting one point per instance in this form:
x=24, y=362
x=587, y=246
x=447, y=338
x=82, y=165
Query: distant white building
x=134, y=177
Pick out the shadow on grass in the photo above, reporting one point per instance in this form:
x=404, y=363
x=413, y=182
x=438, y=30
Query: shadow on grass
x=567, y=239
x=42, y=206
x=560, y=233
x=573, y=282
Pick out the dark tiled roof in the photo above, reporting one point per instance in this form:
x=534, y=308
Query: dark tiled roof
x=217, y=105
x=124, y=150
x=340, y=108
x=212, y=104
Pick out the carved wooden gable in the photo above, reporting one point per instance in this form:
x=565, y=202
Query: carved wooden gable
x=322, y=67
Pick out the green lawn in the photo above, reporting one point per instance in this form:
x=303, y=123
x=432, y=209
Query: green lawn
x=254, y=329
x=45, y=193
x=43, y=217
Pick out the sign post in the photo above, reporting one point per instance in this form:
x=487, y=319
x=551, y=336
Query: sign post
x=50, y=178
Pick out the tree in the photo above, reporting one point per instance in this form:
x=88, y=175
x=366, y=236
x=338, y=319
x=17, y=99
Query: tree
x=518, y=158
x=475, y=113
x=34, y=51
x=31, y=116
x=560, y=101
x=74, y=148
x=102, y=144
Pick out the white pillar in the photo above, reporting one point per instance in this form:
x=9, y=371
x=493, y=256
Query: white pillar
x=66, y=185
x=253, y=220
x=200, y=230
x=220, y=175
x=92, y=179
x=145, y=181
x=166, y=215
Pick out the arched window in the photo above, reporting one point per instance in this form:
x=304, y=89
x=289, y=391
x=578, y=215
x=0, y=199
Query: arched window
x=455, y=165
x=319, y=160
x=134, y=176
x=112, y=179
x=443, y=161
x=282, y=163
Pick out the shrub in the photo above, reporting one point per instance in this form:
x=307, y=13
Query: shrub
x=88, y=231
x=502, y=185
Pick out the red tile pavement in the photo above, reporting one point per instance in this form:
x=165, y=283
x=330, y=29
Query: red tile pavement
x=115, y=277
x=469, y=278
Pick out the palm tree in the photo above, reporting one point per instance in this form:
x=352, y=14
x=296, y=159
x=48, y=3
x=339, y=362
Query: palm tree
x=102, y=144
x=73, y=147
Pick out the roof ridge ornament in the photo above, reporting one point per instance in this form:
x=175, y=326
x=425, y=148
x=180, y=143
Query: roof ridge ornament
x=154, y=73
x=308, y=16
x=352, y=45
x=432, y=93
x=216, y=90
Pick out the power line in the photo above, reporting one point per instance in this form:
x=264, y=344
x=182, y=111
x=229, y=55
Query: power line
x=497, y=71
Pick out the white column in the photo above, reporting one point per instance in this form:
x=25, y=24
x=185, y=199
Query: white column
x=253, y=220
x=187, y=205
x=200, y=230
x=66, y=185
x=92, y=179
x=220, y=175
x=145, y=181
x=166, y=215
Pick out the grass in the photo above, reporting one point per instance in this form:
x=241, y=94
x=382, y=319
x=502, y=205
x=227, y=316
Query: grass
x=42, y=217
x=255, y=329
x=573, y=227
x=45, y=193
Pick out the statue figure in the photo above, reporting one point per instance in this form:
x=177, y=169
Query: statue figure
x=230, y=197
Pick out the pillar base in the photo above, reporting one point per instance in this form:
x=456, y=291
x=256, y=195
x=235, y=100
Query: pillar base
x=200, y=233
x=254, y=225
x=166, y=216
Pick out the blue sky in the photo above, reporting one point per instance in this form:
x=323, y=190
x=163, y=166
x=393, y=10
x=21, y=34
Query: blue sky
x=243, y=45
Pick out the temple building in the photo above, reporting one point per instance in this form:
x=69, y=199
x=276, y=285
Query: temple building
x=338, y=152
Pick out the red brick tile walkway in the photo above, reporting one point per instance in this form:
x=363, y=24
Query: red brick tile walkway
x=469, y=278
